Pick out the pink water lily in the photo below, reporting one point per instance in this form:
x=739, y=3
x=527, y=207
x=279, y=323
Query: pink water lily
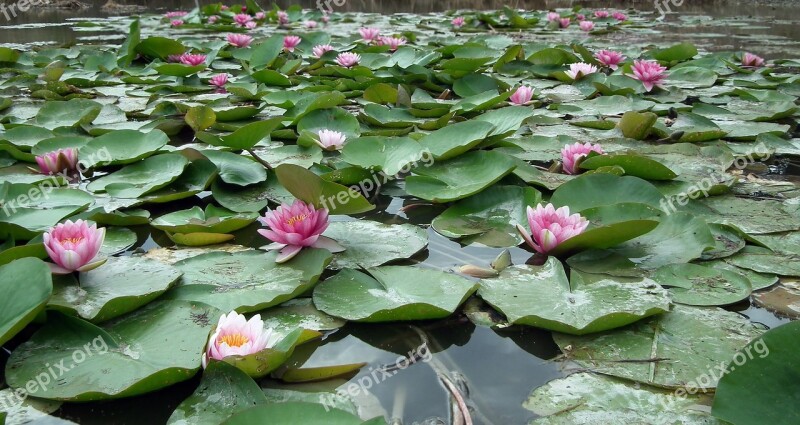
x=331, y=140
x=326, y=18
x=572, y=154
x=213, y=19
x=283, y=18
x=619, y=16
x=347, y=59
x=750, y=59
x=321, y=49
x=580, y=69
x=310, y=24
x=175, y=14
x=176, y=23
x=294, y=227
x=74, y=247
x=580, y=17
x=241, y=19
x=251, y=25
x=586, y=26
x=219, y=80
x=609, y=58
x=563, y=22
x=550, y=227
x=290, y=42
x=368, y=35
x=239, y=40
x=261, y=16
x=60, y=161
x=650, y=73
x=237, y=336
x=458, y=21
x=601, y=14
x=392, y=42
x=522, y=96
x=192, y=60
x=553, y=16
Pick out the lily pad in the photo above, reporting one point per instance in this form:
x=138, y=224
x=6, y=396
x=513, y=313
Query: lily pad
x=693, y=284
x=370, y=244
x=19, y=308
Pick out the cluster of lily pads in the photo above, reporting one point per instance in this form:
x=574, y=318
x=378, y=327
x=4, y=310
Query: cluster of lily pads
x=635, y=176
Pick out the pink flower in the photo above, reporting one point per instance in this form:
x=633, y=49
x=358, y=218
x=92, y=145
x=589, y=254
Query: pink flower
x=251, y=25
x=241, y=19
x=580, y=69
x=283, y=18
x=62, y=160
x=294, y=227
x=586, y=25
x=369, y=35
x=601, y=14
x=522, y=96
x=213, y=19
x=610, y=58
x=237, y=336
x=619, y=16
x=550, y=227
x=290, y=42
x=176, y=23
x=750, y=59
x=572, y=154
x=321, y=50
x=580, y=17
x=219, y=80
x=392, y=42
x=193, y=60
x=74, y=247
x=348, y=59
x=174, y=58
x=239, y=40
x=260, y=16
x=458, y=21
x=563, y=22
x=650, y=73
x=175, y=14
x=331, y=140
x=326, y=18
x=224, y=7
x=310, y=24
x=553, y=16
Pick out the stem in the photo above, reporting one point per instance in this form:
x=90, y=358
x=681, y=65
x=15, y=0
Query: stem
x=259, y=160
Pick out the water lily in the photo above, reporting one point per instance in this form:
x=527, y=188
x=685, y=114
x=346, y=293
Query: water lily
x=261, y=16
x=237, y=336
x=239, y=40
x=310, y=24
x=563, y=22
x=60, y=161
x=175, y=14
x=522, y=96
x=610, y=58
x=368, y=35
x=392, y=42
x=586, y=25
x=348, y=59
x=550, y=227
x=219, y=80
x=74, y=247
x=580, y=69
x=290, y=42
x=619, y=16
x=331, y=140
x=174, y=58
x=601, y=14
x=283, y=18
x=251, y=25
x=572, y=154
x=650, y=73
x=553, y=16
x=193, y=60
x=458, y=21
x=176, y=23
x=321, y=49
x=294, y=227
x=580, y=17
x=213, y=19
x=241, y=19
x=750, y=59
x=326, y=18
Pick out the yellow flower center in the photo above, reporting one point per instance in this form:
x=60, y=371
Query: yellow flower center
x=73, y=241
x=235, y=340
x=296, y=219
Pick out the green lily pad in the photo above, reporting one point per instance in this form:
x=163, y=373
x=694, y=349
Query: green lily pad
x=595, y=190
x=455, y=139
x=297, y=412
x=763, y=260
x=388, y=154
x=212, y=220
x=21, y=307
x=71, y=113
x=370, y=244
x=633, y=164
x=310, y=188
x=236, y=169
x=693, y=284
x=142, y=177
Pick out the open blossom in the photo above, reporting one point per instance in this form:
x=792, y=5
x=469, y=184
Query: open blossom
x=580, y=69
x=522, y=96
x=392, y=42
x=458, y=21
x=62, y=160
x=331, y=140
x=241, y=19
x=237, y=336
x=294, y=227
x=74, y=247
x=290, y=42
x=609, y=58
x=580, y=17
x=619, y=16
x=750, y=59
x=175, y=14
x=310, y=24
x=219, y=80
x=600, y=14
x=283, y=18
x=586, y=25
x=321, y=49
x=650, y=73
x=563, y=22
x=176, y=23
x=193, y=60
x=239, y=40
x=572, y=154
x=260, y=16
x=348, y=59
x=213, y=19
x=369, y=35
x=553, y=16
x=251, y=25
x=550, y=227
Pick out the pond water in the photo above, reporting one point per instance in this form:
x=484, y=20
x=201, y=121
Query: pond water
x=500, y=367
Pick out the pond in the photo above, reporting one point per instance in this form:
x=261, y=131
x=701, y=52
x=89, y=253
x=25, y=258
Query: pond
x=439, y=307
